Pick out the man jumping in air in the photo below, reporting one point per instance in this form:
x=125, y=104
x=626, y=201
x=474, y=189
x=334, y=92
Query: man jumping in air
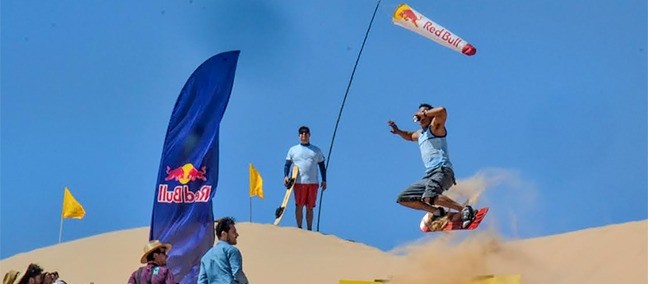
x=426, y=194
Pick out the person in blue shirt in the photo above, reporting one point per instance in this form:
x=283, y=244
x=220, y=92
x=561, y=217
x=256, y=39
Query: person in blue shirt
x=223, y=264
x=308, y=159
x=427, y=193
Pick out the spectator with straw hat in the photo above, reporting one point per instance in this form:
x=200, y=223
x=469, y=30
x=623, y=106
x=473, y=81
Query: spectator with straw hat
x=10, y=277
x=155, y=271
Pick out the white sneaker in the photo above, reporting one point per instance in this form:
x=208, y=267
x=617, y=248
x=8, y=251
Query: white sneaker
x=467, y=216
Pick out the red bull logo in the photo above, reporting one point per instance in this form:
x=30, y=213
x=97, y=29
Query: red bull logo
x=412, y=20
x=409, y=16
x=185, y=174
x=181, y=193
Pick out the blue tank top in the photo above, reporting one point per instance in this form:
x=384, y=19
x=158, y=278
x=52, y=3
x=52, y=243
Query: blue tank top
x=434, y=151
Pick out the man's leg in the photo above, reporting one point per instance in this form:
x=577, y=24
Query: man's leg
x=418, y=205
x=309, y=218
x=441, y=180
x=437, y=182
x=311, y=198
x=411, y=197
x=299, y=215
x=300, y=200
x=442, y=200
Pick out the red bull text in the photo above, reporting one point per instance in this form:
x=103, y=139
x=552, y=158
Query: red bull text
x=182, y=194
x=442, y=33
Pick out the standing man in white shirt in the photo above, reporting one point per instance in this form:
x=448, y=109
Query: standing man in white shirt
x=308, y=158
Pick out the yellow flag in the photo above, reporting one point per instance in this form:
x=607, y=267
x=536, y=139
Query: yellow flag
x=71, y=207
x=256, y=183
x=496, y=279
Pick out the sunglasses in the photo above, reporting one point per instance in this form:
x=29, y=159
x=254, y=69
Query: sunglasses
x=304, y=132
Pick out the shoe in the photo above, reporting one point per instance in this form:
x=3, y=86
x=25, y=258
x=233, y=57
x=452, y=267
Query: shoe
x=467, y=216
x=441, y=213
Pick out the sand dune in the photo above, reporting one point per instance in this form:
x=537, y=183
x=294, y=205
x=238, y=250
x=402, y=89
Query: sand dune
x=611, y=254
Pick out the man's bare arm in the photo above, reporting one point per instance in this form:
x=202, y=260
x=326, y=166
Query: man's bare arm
x=439, y=116
x=407, y=135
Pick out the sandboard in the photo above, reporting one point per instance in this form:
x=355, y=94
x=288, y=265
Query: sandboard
x=289, y=187
x=451, y=222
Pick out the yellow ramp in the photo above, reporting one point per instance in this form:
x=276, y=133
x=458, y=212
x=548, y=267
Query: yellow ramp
x=378, y=281
x=499, y=279
x=487, y=279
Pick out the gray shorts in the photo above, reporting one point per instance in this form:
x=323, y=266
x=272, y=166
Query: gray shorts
x=433, y=183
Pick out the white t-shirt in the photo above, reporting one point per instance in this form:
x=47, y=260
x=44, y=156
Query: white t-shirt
x=306, y=157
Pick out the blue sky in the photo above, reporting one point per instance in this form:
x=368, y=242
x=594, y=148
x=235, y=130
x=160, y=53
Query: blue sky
x=554, y=100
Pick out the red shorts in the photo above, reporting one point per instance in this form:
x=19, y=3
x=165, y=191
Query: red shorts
x=306, y=194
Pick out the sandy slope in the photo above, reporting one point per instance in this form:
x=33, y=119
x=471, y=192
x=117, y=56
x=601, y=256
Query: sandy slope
x=611, y=254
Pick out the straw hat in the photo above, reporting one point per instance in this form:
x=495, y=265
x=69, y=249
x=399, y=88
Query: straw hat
x=151, y=246
x=10, y=277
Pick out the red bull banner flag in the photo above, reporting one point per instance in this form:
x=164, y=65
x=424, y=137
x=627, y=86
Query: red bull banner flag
x=412, y=20
x=188, y=173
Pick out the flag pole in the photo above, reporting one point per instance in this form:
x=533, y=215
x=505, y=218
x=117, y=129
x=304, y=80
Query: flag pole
x=250, y=209
x=346, y=93
x=61, y=229
x=61, y=223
